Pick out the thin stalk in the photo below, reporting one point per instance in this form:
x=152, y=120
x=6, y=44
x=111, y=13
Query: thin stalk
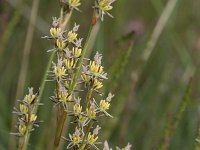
x=24, y=63
x=43, y=83
x=171, y=127
x=66, y=19
x=82, y=147
x=61, y=121
x=76, y=73
x=88, y=97
x=165, y=16
x=25, y=11
x=9, y=31
x=61, y=117
x=24, y=142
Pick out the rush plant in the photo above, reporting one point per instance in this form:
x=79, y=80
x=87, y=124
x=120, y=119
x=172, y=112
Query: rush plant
x=78, y=81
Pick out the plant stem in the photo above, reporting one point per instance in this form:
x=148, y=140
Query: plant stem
x=24, y=63
x=61, y=117
x=67, y=17
x=76, y=73
x=88, y=97
x=24, y=142
x=86, y=134
x=61, y=121
x=165, y=16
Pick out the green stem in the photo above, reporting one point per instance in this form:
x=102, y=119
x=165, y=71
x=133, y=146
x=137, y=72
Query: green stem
x=61, y=116
x=43, y=83
x=86, y=134
x=76, y=73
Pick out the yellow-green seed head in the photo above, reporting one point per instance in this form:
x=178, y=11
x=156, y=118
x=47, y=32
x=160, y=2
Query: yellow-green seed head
x=29, y=98
x=97, y=84
x=22, y=129
x=71, y=36
x=104, y=5
x=53, y=32
x=63, y=96
x=60, y=43
x=95, y=68
x=77, y=109
x=59, y=71
x=74, y=3
x=23, y=108
x=75, y=138
x=81, y=119
x=76, y=52
x=69, y=63
x=104, y=105
x=33, y=117
x=85, y=77
x=91, y=113
x=91, y=139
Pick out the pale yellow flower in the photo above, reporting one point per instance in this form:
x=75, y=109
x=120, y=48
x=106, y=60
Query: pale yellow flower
x=71, y=36
x=91, y=139
x=23, y=108
x=74, y=3
x=76, y=52
x=77, y=109
x=95, y=68
x=60, y=43
x=22, y=129
x=104, y=105
x=59, y=71
x=69, y=63
x=97, y=84
x=91, y=113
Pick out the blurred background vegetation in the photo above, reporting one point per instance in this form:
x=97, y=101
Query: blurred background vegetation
x=154, y=106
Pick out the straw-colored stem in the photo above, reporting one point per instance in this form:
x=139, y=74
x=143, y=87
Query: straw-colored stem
x=24, y=63
x=25, y=11
x=27, y=49
x=61, y=117
x=159, y=29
